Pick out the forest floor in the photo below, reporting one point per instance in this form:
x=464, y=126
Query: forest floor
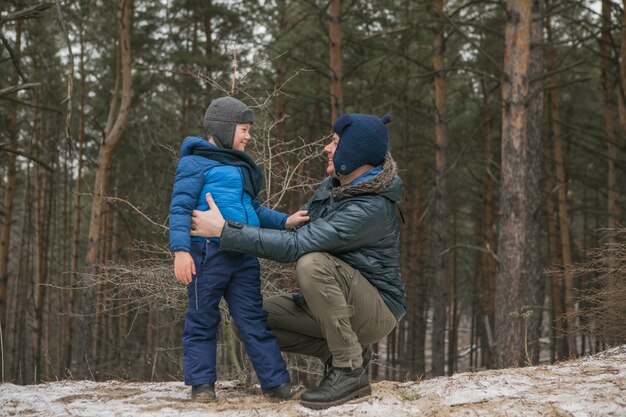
x=589, y=386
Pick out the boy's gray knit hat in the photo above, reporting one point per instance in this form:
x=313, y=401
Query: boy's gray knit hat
x=221, y=119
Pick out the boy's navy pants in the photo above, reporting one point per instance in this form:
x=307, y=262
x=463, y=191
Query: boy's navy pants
x=234, y=276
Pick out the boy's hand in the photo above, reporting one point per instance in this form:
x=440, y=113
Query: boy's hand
x=184, y=268
x=296, y=219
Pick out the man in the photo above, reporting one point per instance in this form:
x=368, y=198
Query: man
x=348, y=260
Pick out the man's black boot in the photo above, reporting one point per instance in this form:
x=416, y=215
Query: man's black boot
x=338, y=386
x=204, y=393
x=283, y=392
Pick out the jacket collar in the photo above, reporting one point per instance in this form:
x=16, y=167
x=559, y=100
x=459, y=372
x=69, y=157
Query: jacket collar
x=375, y=185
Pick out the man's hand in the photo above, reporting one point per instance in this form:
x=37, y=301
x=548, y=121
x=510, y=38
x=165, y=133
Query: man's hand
x=207, y=223
x=296, y=219
x=184, y=268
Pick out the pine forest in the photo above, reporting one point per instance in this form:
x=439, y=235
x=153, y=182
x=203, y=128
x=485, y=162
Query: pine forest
x=508, y=128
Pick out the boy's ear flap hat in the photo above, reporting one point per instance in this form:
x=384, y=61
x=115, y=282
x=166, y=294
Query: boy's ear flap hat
x=363, y=140
x=221, y=119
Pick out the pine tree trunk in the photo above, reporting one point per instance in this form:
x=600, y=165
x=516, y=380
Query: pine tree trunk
x=335, y=36
x=113, y=135
x=9, y=195
x=40, y=254
x=612, y=150
x=554, y=243
x=517, y=206
x=486, y=320
x=452, y=299
x=114, y=130
x=417, y=287
x=533, y=280
x=208, y=46
x=16, y=290
x=613, y=205
x=281, y=73
x=441, y=197
x=566, y=251
x=622, y=76
x=82, y=92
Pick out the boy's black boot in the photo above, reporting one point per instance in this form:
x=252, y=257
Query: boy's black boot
x=338, y=386
x=283, y=392
x=204, y=393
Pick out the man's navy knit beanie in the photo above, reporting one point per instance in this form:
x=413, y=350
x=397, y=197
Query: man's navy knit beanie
x=221, y=119
x=363, y=140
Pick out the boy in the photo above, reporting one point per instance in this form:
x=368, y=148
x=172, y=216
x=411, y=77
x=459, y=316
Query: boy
x=220, y=167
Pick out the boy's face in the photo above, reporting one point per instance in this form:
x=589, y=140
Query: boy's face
x=242, y=136
x=329, y=150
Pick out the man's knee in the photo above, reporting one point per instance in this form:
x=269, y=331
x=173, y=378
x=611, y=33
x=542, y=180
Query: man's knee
x=279, y=308
x=272, y=306
x=310, y=268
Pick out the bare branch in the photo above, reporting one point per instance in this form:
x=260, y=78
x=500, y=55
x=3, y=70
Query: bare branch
x=9, y=90
x=31, y=12
x=4, y=148
x=603, y=278
x=70, y=79
x=14, y=58
x=132, y=206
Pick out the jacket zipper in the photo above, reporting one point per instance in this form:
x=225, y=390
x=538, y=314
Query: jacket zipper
x=245, y=212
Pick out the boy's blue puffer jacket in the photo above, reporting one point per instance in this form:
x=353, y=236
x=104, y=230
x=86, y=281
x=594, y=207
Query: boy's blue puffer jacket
x=197, y=175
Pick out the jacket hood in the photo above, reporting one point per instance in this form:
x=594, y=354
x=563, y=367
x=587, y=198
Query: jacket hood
x=386, y=183
x=192, y=143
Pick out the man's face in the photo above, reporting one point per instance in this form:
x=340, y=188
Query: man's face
x=329, y=150
x=242, y=136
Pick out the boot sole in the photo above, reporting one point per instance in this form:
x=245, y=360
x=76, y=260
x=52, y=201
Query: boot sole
x=273, y=399
x=203, y=399
x=361, y=392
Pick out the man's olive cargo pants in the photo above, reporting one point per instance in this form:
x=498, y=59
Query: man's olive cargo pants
x=342, y=312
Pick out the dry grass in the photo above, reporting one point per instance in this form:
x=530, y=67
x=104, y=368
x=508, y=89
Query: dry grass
x=603, y=302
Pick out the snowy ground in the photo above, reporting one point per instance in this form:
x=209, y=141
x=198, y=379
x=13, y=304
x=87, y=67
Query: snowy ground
x=591, y=386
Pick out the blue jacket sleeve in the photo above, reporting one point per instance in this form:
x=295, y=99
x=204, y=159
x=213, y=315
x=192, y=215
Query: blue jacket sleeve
x=187, y=187
x=269, y=219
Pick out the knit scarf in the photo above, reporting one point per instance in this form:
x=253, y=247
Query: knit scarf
x=252, y=176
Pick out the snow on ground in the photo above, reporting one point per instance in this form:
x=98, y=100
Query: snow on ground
x=590, y=386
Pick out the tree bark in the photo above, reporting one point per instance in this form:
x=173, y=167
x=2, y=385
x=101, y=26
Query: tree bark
x=417, y=287
x=335, y=36
x=42, y=187
x=533, y=283
x=441, y=208
x=612, y=150
x=561, y=183
x=517, y=245
x=554, y=243
x=113, y=136
x=622, y=74
x=453, y=304
x=9, y=195
x=486, y=319
x=281, y=74
x=82, y=92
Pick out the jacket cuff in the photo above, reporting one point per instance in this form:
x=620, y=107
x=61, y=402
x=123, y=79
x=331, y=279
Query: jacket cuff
x=231, y=229
x=283, y=221
x=179, y=249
